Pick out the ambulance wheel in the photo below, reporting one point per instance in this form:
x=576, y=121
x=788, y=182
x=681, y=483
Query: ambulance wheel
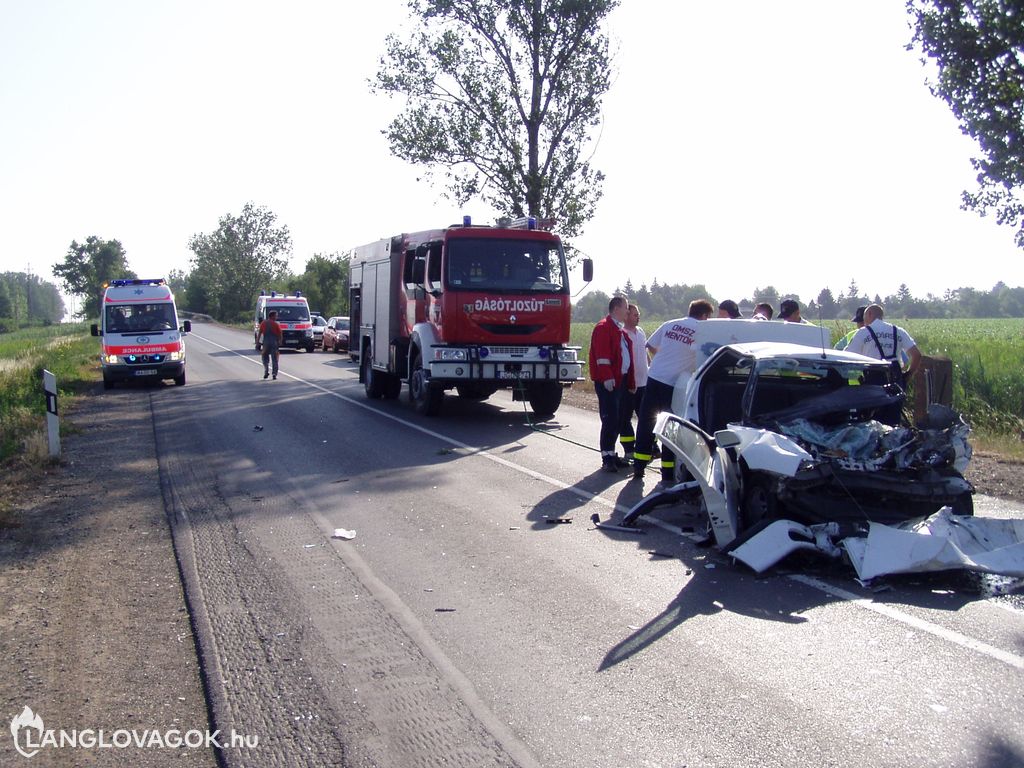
x=108, y=383
x=258, y=346
x=545, y=398
x=426, y=397
x=179, y=381
x=372, y=380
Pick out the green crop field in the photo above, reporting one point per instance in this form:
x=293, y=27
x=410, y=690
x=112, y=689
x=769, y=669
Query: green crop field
x=68, y=351
x=987, y=355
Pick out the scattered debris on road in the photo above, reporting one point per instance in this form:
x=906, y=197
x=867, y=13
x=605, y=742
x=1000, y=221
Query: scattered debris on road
x=343, y=533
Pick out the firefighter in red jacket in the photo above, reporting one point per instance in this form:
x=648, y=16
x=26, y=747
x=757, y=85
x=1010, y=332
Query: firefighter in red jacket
x=611, y=368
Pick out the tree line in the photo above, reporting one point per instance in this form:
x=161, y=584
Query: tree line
x=26, y=299
x=665, y=300
x=245, y=254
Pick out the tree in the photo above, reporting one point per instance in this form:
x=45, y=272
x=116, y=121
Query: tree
x=767, y=294
x=502, y=96
x=591, y=308
x=978, y=49
x=324, y=283
x=827, y=304
x=234, y=261
x=87, y=266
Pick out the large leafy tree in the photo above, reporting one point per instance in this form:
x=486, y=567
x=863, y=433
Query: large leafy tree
x=87, y=266
x=324, y=283
x=502, y=97
x=978, y=50
x=231, y=264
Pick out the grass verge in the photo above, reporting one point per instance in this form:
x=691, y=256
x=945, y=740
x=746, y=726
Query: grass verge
x=70, y=354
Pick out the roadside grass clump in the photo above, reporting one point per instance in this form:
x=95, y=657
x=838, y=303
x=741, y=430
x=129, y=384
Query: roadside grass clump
x=69, y=353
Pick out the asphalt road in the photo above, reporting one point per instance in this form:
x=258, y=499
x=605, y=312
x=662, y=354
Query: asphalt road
x=461, y=627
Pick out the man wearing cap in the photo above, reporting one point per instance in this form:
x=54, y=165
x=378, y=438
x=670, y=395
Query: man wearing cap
x=763, y=311
x=789, y=311
x=857, y=320
x=885, y=341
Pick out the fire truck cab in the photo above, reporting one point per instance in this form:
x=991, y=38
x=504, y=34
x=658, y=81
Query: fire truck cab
x=141, y=338
x=470, y=308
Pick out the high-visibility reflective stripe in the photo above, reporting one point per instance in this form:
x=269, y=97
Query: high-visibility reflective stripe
x=603, y=361
x=642, y=456
x=667, y=464
x=627, y=439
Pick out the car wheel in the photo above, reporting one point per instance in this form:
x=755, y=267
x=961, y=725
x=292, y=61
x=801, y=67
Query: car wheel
x=759, y=502
x=964, y=505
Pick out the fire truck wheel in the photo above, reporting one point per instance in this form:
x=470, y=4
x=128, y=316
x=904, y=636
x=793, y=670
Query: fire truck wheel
x=426, y=397
x=392, y=387
x=545, y=398
x=474, y=391
x=371, y=379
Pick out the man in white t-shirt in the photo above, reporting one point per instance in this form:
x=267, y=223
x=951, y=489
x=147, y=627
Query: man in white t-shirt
x=885, y=341
x=675, y=352
x=630, y=402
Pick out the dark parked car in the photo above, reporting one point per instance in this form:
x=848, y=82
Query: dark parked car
x=336, y=335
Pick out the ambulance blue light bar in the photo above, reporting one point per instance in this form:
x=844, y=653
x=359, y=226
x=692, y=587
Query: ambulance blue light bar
x=136, y=281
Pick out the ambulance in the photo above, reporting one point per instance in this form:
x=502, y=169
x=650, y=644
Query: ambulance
x=141, y=338
x=293, y=316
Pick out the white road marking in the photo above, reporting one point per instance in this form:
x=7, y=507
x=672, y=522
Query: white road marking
x=949, y=635
x=925, y=626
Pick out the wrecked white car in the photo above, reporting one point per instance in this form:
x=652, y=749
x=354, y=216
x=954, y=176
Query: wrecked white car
x=814, y=437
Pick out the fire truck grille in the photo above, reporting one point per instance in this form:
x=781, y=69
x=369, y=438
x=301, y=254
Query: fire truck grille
x=511, y=330
x=520, y=351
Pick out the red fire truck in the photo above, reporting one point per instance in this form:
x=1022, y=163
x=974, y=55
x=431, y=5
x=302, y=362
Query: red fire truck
x=470, y=308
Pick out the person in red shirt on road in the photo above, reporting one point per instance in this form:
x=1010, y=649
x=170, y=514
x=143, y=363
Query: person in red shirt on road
x=611, y=368
x=271, y=337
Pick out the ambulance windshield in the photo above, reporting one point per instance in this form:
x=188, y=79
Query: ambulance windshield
x=518, y=266
x=140, y=318
x=291, y=313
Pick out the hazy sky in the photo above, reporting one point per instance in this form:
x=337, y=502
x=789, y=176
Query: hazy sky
x=747, y=144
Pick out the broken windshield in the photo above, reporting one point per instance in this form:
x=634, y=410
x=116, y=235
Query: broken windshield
x=520, y=266
x=140, y=318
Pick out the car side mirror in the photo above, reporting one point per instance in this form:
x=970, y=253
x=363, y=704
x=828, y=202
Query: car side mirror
x=186, y=327
x=94, y=329
x=588, y=270
x=726, y=438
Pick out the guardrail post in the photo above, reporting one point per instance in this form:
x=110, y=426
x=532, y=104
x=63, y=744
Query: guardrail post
x=52, y=420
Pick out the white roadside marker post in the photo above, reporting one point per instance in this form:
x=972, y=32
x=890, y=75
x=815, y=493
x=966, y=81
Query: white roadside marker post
x=52, y=422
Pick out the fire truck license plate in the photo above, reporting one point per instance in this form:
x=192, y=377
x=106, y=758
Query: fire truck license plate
x=146, y=372
x=515, y=374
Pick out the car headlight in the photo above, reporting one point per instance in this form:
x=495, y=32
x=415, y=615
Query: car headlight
x=175, y=356
x=567, y=355
x=450, y=354
x=309, y=332
x=110, y=359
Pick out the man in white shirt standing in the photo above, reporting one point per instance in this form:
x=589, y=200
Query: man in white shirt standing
x=885, y=341
x=675, y=352
x=630, y=402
